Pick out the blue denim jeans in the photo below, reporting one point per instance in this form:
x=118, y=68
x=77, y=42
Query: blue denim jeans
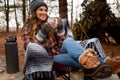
x=69, y=53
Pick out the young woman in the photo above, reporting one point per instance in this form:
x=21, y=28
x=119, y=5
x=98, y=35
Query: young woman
x=43, y=39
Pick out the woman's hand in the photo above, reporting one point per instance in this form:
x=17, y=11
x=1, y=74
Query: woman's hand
x=53, y=22
x=52, y=25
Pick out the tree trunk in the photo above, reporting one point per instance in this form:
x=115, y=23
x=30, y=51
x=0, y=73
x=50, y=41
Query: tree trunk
x=7, y=14
x=63, y=9
x=72, y=13
x=100, y=31
x=104, y=1
x=17, y=26
x=24, y=10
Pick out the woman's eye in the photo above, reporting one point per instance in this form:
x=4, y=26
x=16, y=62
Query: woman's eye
x=43, y=10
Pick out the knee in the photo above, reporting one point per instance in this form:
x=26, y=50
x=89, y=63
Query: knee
x=67, y=41
x=58, y=58
x=30, y=45
x=55, y=58
x=36, y=49
x=34, y=46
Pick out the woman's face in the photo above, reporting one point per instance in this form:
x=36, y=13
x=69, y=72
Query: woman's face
x=41, y=13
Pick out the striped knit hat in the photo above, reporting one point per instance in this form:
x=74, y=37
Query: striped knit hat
x=35, y=4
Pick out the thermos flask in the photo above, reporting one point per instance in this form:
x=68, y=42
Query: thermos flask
x=11, y=50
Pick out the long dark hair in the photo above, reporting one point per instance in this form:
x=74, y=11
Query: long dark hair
x=32, y=24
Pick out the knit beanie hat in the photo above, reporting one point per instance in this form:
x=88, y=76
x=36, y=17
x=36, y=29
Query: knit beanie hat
x=35, y=4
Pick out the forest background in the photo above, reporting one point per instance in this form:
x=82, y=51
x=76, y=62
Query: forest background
x=13, y=14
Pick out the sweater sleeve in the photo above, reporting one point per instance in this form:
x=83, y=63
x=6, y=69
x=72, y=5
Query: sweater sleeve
x=60, y=27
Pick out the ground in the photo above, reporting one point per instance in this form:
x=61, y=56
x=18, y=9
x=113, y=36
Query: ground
x=108, y=48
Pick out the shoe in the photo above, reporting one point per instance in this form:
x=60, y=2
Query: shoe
x=102, y=71
x=93, y=67
x=114, y=62
x=89, y=59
